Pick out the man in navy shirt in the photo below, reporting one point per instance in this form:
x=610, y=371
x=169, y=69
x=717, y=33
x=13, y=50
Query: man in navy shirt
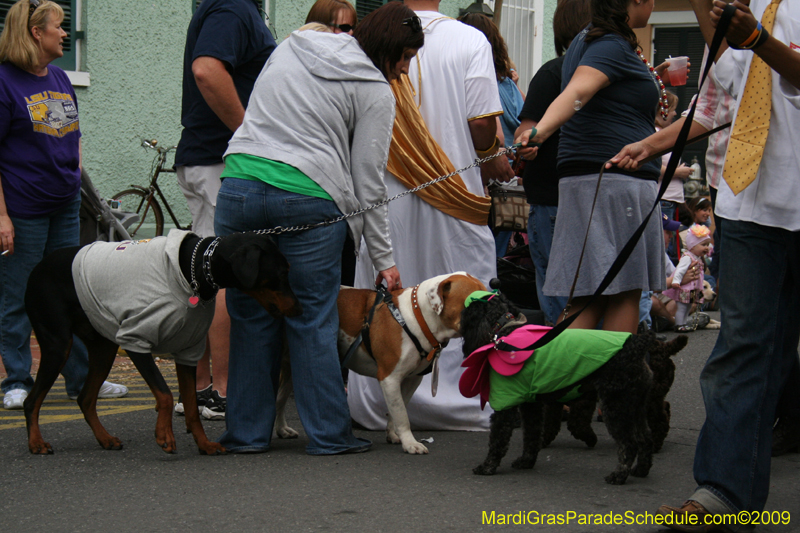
x=227, y=45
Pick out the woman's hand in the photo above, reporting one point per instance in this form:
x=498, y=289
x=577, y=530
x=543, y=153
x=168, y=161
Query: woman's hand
x=630, y=156
x=682, y=172
x=392, y=278
x=6, y=235
x=693, y=273
x=661, y=70
x=528, y=152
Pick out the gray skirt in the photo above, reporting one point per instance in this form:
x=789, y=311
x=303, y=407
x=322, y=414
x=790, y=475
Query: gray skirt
x=622, y=204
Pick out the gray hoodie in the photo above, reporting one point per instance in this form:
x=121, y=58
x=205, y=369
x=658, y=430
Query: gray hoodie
x=321, y=106
x=135, y=295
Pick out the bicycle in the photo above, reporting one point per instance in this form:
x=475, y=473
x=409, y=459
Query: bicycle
x=142, y=200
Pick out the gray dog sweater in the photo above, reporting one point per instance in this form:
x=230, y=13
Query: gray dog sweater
x=135, y=295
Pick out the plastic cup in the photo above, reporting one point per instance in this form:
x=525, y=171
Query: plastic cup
x=677, y=70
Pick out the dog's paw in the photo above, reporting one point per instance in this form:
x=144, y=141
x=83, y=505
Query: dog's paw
x=392, y=438
x=110, y=443
x=523, y=463
x=415, y=448
x=640, y=470
x=168, y=446
x=166, y=439
x=212, y=448
x=616, y=478
x=483, y=470
x=40, y=448
x=286, y=432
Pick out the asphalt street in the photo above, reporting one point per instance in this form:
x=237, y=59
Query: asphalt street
x=85, y=488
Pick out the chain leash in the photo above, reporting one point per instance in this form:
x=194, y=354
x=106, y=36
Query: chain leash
x=281, y=229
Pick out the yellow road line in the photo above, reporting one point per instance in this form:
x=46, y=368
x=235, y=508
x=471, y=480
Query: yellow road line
x=139, y=394
x=52, y=419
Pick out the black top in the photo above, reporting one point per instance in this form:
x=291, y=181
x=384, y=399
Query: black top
x=617, y=115
x=541, y=178
x=233, y=32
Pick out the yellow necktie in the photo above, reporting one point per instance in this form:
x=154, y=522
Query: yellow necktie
x=749, y=135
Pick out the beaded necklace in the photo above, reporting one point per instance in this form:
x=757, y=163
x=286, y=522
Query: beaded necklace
x=663, y=103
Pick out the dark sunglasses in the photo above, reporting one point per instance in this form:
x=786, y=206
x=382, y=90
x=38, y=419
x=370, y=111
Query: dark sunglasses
x=344, y=27
x=414, y=23
x=33, y=5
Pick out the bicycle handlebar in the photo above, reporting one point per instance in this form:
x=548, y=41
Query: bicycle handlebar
x=152, y=144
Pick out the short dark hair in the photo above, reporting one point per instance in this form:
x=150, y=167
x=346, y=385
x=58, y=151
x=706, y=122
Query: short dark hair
x=570, y=18
x=502, y=64
x=384, y=34
x=611, y=16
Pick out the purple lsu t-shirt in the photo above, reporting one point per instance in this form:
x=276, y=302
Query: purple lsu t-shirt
x=39, y=141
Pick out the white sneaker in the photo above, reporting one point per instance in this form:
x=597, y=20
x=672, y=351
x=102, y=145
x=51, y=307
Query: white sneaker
x=109, y=390
x=14, y=399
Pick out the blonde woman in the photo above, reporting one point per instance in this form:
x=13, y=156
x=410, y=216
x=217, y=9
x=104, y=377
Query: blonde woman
x=40, y=180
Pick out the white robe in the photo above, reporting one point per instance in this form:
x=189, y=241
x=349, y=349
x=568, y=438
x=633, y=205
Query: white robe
x=458, y=83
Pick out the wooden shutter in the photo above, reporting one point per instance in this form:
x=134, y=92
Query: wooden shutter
x=365, y=7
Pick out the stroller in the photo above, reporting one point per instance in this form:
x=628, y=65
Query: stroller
x=102, y=220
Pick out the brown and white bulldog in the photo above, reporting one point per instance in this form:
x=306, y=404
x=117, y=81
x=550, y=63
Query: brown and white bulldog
x=394, y=360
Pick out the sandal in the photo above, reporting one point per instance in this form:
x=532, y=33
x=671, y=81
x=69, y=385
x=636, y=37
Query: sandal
x=685, y=328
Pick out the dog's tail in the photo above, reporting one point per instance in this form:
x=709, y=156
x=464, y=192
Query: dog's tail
x=675, y=345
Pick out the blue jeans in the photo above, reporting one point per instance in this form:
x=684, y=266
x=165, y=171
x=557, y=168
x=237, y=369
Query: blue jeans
x=256, y=337
x=501, y=242
x=753, y=355
x=668, y=208
x=35, y=238
x=541, y=222
x=645, y=305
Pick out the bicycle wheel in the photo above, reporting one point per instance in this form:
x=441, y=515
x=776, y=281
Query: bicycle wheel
x=151, y=218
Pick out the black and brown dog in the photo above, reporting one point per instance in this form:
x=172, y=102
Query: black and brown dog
x=249, y=262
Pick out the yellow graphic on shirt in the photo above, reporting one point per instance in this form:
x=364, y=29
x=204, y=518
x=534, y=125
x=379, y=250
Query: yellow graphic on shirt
x=53, y=113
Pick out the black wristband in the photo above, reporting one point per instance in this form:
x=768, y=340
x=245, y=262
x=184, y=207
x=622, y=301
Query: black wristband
x=761, y=39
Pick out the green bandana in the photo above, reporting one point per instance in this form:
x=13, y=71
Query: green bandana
x=478, y=295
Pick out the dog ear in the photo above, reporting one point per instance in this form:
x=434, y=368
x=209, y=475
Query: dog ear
x=245, y=263
x=437, y=294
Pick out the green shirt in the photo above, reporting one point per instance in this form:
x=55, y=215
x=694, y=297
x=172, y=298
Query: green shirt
x=567, y=359
x=275, y=173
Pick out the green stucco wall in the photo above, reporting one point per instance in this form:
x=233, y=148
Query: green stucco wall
x=548, y=39
x=134, y=57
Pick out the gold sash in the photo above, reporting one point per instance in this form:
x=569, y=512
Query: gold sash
x=415, y=158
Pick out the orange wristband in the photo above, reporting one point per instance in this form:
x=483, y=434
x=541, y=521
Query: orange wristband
x=750, y=40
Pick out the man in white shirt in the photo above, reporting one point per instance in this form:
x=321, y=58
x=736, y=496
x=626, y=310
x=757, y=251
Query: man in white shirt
x=755, y=357
x=757, y=346
x=455, y=88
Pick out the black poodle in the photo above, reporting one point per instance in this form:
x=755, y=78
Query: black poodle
x=581, y=410
x=622, y=384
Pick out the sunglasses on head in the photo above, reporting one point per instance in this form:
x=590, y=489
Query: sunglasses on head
x=33, y=4
x=345, y=28
x=414, y=23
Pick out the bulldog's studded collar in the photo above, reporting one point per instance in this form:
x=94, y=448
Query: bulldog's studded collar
x=437, y=346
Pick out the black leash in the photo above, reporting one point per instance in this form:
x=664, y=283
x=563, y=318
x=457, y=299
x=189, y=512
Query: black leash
x=680, y=143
